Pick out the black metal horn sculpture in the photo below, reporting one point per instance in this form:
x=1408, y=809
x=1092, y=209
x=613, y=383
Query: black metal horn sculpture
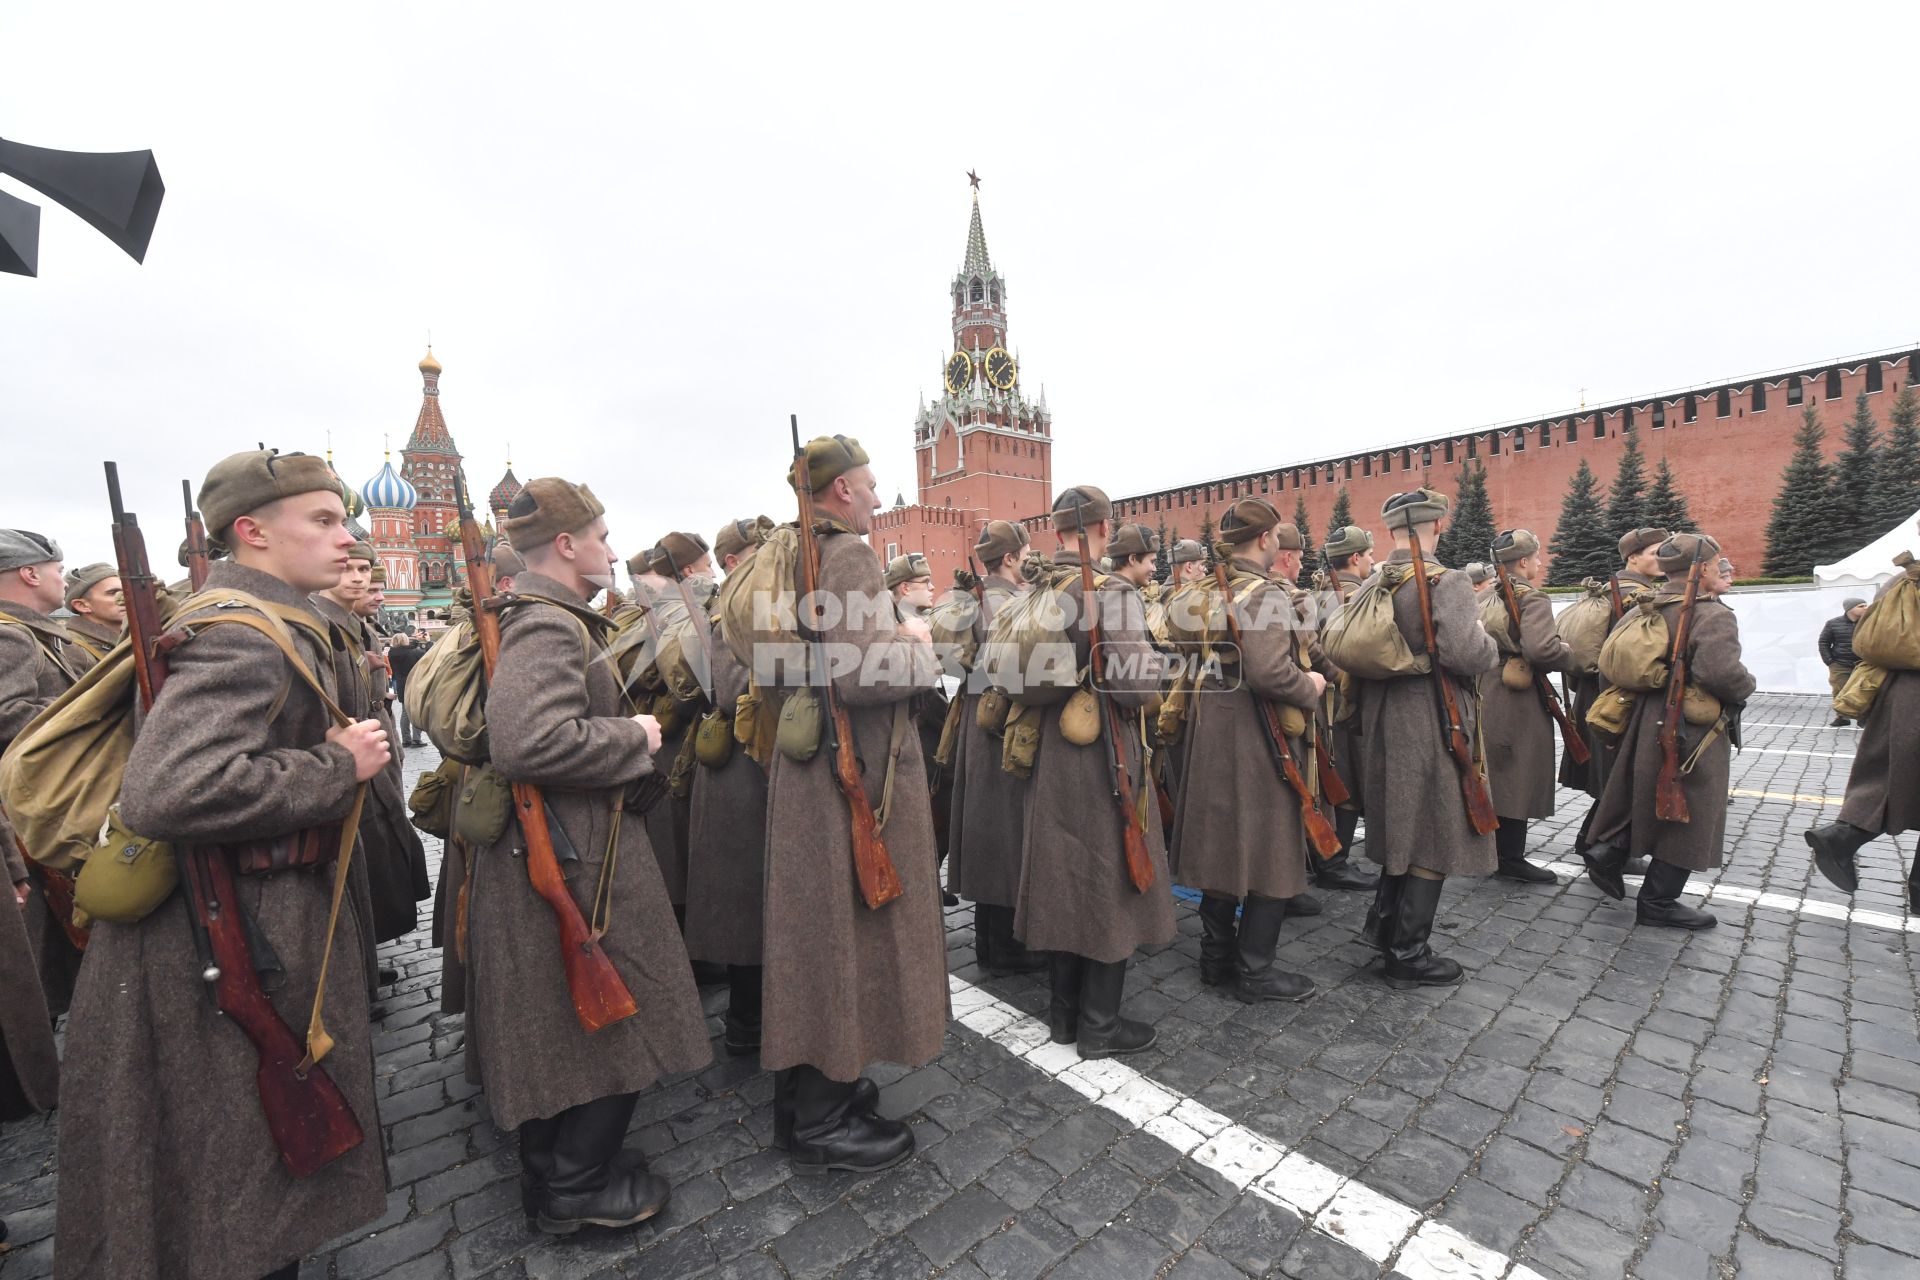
x=117, y=193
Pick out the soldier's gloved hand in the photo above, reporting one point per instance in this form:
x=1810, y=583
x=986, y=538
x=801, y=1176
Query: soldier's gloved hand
x=367, y=742
x=965, y=579
x=652, y=726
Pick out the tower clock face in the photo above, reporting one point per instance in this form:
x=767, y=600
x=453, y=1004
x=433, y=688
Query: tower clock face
x=1001, y=369
x=959, y=372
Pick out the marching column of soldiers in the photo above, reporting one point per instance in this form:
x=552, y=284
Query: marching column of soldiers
x=775, y=825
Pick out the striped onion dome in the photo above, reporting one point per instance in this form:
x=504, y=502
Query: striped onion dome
x=389, y=489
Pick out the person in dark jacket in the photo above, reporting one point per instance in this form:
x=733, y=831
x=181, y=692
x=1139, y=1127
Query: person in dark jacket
x=403, y=657
x=1836, y=647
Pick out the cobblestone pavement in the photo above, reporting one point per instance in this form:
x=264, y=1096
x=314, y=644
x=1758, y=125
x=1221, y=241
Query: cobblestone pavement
x=1593, y=1101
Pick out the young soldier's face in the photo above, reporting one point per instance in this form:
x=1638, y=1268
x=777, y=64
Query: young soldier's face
x=593, y=558
x=1361, y=565
x=917, y=592
x=701, y=568
x=353, y=583
x=302, y=540
x=371, y=601
x=1190, y=571
x=104, y=602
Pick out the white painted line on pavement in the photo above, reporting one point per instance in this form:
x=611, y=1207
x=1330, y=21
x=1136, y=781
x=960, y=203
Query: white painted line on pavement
x=1778, y=902
x=1783, y=751
x=1330, y=1202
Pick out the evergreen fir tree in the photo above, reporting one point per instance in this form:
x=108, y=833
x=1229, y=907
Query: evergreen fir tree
x=1206, y=538
x=1469, y=534
x=1626, y=500
x=1342, y=514
x=1666, y=506
x=1581, y=546
x=1857, y=515
x=1308, y=559
x=1803, y=511
x=1897, y=487
x=1164, y=564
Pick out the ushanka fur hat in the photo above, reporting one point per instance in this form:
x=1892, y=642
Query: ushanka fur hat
x=998, y=540
x=547, y=508
x=1416, y=506
x=245, y=482
x=1080, y=507
x=1132, y=540
x=741, y=535
x=86, y=578
x=1677, y=552
x=910, y=567
x=829, y=458
x=1515, y=545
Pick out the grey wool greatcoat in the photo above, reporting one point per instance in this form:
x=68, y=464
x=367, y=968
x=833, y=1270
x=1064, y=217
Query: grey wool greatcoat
x=168, y=1169
x=1627, y=805
x=36, y=667
x=727, y=840
x=90, y=641
x=1584, y=690
x=1236, y=827
x=1345, y=734
x=557, y=719
x=29, y=1062
x=987, y=826
x=1519, y=731
x=1883, y=788
x=1075, y=893
x=1416, y=815
x=847, y=985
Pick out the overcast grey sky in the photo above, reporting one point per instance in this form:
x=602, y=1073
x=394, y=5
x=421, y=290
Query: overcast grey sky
x=642, y=235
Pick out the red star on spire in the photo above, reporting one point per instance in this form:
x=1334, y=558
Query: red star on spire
x=974, y=178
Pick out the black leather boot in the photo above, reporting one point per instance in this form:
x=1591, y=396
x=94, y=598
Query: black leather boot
x=1340, y=871
x=1063, y=1004
x=289, y=1272
x=1410, y=961
x=1913, y=886
x=1659, y=900
x=866, y=1096
x=742, y=1035
x=1256, y=976
x=1833, y=848
x=1510, y=843
x=1103, y=1032
x=831, y=1131
x=1377, y=932
x=536, y=1160
x=588, y=1184
x=1304, y=905
x=1606, y=863
x=1217, y=942
x=1001, y=954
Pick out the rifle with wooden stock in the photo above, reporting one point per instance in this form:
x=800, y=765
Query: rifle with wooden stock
x=600, y=995
x=1320, y=832
x=1669, y=797
x=197, y=556
x=872, y=864
x=306, y=1114
x=1570, y=737
x=1473, y=784
x=1132, y=821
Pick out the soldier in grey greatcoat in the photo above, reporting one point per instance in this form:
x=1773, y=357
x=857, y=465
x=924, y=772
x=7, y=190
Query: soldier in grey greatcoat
x=1076, y=896
x=1417, y=825
x=1626, y=818
x=36, y=666
x=1882, y=797
x=169, y=1169
x=1235, y=852
x=1518, y=728
x=848, y=985
x=727, y=834
x=557, y=720
x=987, y=814
x=1349, y=553
x=99, y=614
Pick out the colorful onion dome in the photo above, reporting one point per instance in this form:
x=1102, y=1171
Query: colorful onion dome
x=389, y=489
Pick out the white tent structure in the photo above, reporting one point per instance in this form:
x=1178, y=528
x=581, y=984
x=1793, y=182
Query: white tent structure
x=1872, y=564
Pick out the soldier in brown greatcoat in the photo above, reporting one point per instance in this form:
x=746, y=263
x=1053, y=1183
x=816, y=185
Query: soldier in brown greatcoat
x=988, y=807
x=1223, y=845
x=557, y=719
x=169, y=1169
x=910, y=582
x=99, y=614
x=1639, y=554
x=727, y=835
x=1883, y=794
x=1625, y=818
x=1076, y=897
x=1417, y=826
x=1518, y=729
x=1349, y=553
x=846, y=984
x=36, y=666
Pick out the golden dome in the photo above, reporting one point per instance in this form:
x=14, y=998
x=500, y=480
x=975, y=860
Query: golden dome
x=429, y=365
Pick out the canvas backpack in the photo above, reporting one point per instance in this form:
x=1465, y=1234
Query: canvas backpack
x=1363, y=639
x=1029, y=654
x=758, y=599
x=1194, y=619
x=1634, y=657
x=1888, y=634
x=1584, y=625
x=447, y=691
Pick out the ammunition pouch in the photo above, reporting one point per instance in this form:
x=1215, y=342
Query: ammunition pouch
x=1020, y=741
x=308, y=848
x=666, y=709
x=1611, y=711
x=680, y=775
x=950, y=732
x=755, y=726
x=484, y=807
x=1171, y=721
